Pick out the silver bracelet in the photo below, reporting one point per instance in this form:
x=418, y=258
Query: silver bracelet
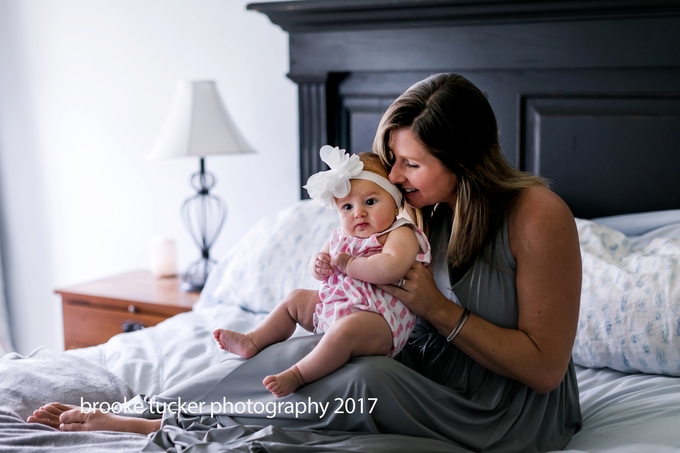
x=459, y=325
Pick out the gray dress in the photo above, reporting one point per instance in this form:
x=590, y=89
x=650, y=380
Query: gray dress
x=432, y=397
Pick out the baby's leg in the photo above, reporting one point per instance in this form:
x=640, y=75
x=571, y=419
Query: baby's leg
x=359, y=334
x=296, y=308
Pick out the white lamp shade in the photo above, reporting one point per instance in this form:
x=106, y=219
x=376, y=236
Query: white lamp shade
x=198, y=125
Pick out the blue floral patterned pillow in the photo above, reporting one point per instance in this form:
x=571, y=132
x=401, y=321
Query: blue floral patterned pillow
x=271, y=260
x=630, y=301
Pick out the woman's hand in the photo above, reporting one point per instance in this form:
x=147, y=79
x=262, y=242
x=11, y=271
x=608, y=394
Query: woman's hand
x=418, y=291
x=321, y=267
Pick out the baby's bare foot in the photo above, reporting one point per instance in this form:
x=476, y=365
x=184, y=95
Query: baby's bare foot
x=284, y=383
x=235, y=342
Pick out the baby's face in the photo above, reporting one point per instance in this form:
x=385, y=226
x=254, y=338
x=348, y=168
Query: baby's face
x=366, y=210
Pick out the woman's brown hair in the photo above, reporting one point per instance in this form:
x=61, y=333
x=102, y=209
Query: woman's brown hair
x=454, y=121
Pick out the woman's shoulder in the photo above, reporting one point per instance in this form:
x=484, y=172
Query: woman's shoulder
x=537, y=217
x=538, y=204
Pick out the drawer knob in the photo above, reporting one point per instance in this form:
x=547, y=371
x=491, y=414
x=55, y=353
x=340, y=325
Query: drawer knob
x=131, y=326
x=132, y=309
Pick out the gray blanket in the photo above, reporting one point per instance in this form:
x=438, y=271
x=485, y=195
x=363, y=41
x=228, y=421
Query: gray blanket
x=343, y=412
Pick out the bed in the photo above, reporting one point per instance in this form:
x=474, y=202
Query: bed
x=587, y=94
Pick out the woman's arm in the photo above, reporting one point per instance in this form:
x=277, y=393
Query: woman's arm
x=398, y=254
x=544, y=242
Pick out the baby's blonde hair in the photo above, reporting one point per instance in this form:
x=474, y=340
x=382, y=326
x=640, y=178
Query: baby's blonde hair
x=373, y=163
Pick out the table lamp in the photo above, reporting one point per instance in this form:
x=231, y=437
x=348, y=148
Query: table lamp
x=198, y=125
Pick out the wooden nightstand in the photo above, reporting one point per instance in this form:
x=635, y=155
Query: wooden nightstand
x=98, y=310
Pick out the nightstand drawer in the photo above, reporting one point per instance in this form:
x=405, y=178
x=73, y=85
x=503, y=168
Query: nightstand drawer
x=89, y=325
x=95, y=311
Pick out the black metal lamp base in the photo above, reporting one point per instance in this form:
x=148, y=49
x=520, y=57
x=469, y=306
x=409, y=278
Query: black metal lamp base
x=196, y=275
x=203, y=215
x=189, y=287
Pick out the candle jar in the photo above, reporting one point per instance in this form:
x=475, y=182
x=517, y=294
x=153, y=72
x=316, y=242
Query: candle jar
x=163, y=257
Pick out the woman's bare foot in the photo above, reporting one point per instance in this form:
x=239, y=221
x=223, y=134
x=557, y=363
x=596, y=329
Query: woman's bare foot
x=49, y=414
x=235, y=342
x=284, y=383
x=72, y=418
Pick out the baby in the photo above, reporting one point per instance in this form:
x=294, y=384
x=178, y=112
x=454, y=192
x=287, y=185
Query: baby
x=372, y=247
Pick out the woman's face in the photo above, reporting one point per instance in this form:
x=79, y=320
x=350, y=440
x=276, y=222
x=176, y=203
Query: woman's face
x=422, y=177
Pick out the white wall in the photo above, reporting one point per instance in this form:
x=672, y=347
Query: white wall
x=84, y=88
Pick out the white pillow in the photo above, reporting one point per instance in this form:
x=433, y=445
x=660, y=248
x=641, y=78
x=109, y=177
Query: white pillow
x=640, y=223
x=271, y=259
x=630, y=302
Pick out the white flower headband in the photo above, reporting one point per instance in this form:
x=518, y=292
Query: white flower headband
x=334, y=183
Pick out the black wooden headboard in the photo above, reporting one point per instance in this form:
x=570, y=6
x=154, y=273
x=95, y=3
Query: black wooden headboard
x=586, y=93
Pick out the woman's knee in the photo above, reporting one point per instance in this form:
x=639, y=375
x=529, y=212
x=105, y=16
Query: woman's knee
x=373, y=372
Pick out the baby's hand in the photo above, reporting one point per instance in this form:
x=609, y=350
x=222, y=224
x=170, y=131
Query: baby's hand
x=340, y=261
x=321, y=266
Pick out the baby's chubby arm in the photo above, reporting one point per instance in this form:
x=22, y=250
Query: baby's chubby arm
x=320, y=265
x=398, y=254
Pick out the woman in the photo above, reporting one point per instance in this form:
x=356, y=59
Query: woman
x=502, y=243
x=498, y=374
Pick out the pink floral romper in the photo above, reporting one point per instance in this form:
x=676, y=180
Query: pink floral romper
x=341, y=294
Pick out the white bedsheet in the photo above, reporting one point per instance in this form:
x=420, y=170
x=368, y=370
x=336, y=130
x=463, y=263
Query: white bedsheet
x=155, y=359
x=638, y=411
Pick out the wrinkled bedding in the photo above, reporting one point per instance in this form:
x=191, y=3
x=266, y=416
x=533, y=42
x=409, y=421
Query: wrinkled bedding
x=622, y=413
